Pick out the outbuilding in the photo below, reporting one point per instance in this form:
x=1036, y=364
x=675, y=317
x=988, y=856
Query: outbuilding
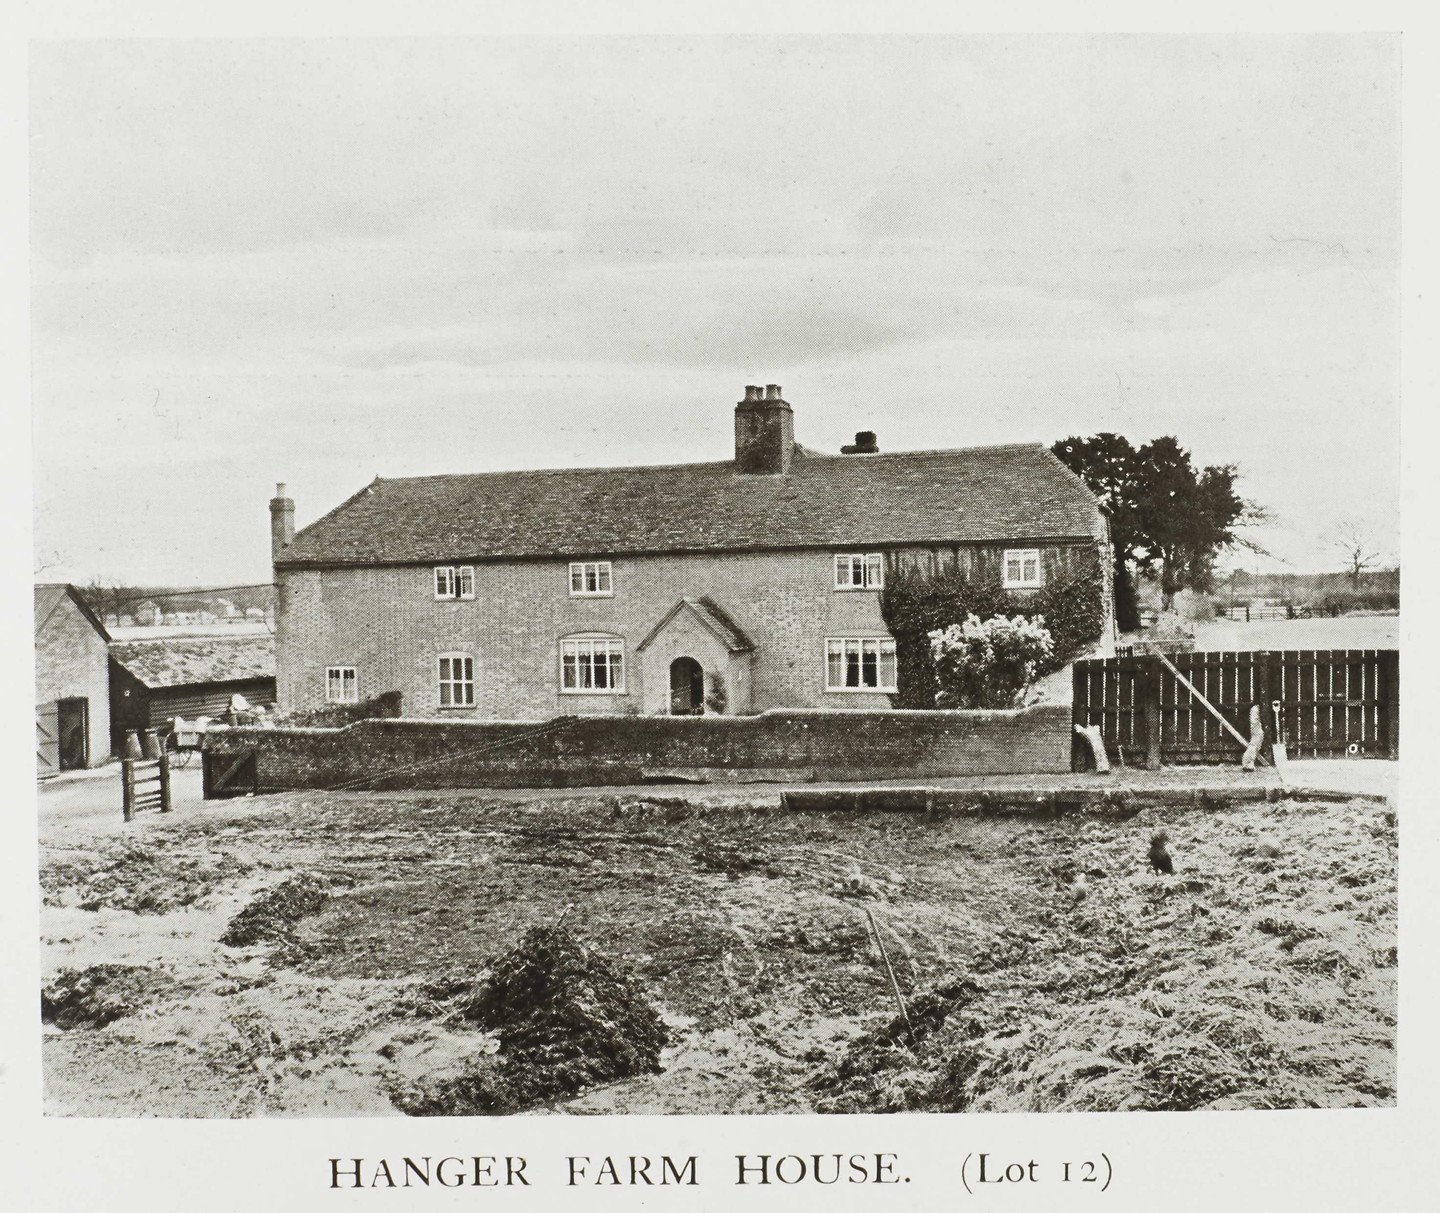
x=72, y=702
x=153, y=681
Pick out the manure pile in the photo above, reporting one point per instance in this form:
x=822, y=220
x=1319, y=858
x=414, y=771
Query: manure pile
x=560, y=1017
x=101, y=994
x=272, y=916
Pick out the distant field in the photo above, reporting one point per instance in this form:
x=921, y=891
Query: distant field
x=1346, y=632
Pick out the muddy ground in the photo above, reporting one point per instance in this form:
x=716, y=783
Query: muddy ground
x=746, y=928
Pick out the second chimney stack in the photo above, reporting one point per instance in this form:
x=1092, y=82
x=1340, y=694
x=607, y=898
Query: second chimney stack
x=282, y=521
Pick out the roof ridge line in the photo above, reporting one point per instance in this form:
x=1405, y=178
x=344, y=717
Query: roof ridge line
x=810, y=453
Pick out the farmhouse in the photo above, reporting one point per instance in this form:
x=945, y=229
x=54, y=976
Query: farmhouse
x=72, y=707
x=153, y=681
x=733, y=586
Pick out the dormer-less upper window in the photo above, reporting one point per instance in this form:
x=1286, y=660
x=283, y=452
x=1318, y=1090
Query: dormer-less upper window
x=590, y=579
x=860, y=571
x=454, y=581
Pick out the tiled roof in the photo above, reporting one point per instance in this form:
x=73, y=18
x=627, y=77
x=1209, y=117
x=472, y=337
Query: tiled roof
x=192, y=660
x=713, y=616
x=971, y=495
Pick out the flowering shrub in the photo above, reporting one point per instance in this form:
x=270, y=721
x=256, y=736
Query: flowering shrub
x=917, y=600
x=989, y=664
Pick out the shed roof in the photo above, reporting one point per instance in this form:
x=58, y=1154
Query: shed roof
x=193, y=660
x=975, y=494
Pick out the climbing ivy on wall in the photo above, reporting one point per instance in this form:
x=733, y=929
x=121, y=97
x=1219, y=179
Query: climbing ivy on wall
x=916, y=601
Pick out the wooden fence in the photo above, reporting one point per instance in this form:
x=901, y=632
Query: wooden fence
x=1334, y=703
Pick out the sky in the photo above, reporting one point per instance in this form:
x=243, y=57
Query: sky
x=321, y=261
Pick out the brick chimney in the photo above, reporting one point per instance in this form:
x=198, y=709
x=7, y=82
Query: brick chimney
x=282, y=521
x=764, y=433
x=864, y=444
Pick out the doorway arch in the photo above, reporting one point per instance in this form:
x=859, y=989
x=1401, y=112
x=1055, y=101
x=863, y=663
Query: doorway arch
x=687, y=687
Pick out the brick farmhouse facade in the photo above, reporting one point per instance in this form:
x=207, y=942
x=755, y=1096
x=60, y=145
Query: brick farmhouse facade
x=744, y=585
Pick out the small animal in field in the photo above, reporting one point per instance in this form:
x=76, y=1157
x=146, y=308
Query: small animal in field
x=1078, y=889
x=1159, y=856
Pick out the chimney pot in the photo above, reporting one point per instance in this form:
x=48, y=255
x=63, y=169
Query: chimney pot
x=752, y=391
x=772, y=391
x=280, y=490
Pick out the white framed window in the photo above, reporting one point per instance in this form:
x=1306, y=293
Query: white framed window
x=860, y=571
x=590, y=579
x=1022, y=568
x=341, y=685
x=453, y=582
x=592, y=665
x=859, y=664
x=457, y=680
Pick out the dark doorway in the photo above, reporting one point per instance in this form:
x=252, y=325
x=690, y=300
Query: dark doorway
x=687, y=687
x=73, y=725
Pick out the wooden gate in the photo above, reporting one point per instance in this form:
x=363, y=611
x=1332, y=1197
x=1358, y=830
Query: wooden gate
x=1334, y=703
x=47, y=740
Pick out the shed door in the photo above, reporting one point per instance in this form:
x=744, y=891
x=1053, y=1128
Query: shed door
x=74, y=728
x=47, y=740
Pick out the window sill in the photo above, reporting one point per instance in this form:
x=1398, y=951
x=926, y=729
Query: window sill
x=862, y=690
x=592, y=693
x=1021, y=585
x=858, y=589
x=456, y=707
x=592, y=594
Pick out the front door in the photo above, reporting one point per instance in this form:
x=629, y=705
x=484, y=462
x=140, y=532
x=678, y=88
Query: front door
x=687, y=687
x=73, y=720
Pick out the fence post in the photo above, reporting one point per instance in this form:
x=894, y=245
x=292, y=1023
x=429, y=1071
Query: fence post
x=127, y=788
x=1079, y=716
x=1260, y=672
x=164, y=770
x=1390, y=669
x=1151, y=683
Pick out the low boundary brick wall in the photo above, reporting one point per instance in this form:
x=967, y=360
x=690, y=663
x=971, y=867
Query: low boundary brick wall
x=575, y=751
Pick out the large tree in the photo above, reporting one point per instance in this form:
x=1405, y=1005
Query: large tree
x=1167, y=518
x=1107, y=464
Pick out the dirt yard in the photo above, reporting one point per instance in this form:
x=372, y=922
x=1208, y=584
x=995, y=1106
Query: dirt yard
x=1045, y=965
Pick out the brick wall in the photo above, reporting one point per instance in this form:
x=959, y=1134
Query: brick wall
x=386, y=623
x=72, y=661
x=600, y=750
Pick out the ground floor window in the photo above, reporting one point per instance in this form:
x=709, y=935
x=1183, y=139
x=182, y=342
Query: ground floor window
x=859, y=665
x=457, y=681
x=594, y=664
x=341, y=685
